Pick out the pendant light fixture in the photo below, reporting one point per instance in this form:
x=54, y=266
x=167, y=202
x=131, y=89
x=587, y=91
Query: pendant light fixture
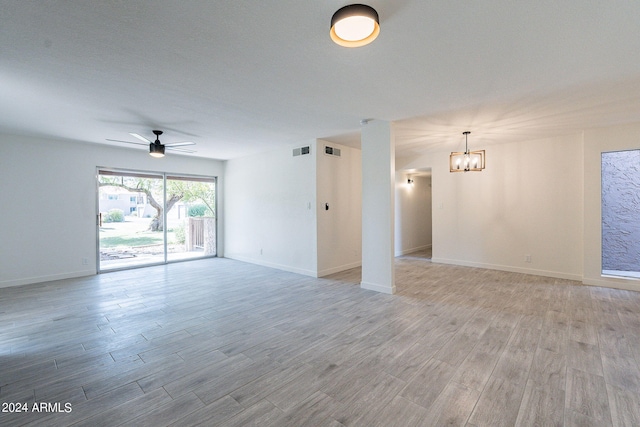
x=355, y=25
x=467, y=161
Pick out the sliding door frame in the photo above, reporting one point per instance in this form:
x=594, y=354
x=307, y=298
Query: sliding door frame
x=152, y=174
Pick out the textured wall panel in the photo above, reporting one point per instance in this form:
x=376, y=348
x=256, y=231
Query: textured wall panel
x=621, y=210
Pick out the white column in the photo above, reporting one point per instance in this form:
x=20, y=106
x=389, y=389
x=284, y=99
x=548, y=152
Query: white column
x=378, y=180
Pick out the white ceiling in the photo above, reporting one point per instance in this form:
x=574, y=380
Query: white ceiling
x=244, y=76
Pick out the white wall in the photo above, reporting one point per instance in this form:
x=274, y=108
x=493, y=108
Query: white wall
x=48, y=193
x=596, y=142
x=270, y=210
x=339, y=183
x=413, y=213
x=538, y=198
x=528, y=201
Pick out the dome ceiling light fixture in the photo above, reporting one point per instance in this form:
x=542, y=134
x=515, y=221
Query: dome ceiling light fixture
x=355, y=25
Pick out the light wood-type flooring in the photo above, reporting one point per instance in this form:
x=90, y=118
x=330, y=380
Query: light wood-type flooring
x=221, y=342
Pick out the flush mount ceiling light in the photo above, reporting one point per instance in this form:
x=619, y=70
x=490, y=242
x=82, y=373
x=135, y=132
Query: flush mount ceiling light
x=467, y=161
x=355, y=25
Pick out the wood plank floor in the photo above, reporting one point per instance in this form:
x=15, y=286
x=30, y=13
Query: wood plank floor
x=220, y=342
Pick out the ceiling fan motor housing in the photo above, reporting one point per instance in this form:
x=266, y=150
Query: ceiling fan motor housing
x=157, y=149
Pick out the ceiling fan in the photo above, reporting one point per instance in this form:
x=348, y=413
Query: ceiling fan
x=156, y=148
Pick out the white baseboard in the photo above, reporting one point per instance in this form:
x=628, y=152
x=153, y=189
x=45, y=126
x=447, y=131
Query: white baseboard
x=512, y=269
x=46, y=278
x=378, y=288
x=408, y=251
x=328, y=271
x=272, y=265
x=625, y=283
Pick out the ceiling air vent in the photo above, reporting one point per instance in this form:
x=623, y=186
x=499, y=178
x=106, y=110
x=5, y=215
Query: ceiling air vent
x=301, y=151
x=331, y=151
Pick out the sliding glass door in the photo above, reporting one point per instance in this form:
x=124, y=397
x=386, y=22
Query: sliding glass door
x=130, y=231
x=191, y=221
x=151, y=218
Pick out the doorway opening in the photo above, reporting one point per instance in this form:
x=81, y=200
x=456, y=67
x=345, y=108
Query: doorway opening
x=413, y=226
x=621, y=213
x=147, y=218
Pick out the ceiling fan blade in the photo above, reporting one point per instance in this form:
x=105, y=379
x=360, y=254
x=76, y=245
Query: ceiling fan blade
x=126, y=142
x=182, y=150
x=140, y=137
x=179, y=144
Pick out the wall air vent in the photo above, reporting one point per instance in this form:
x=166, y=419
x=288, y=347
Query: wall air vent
x=301, y=151
x=331, y=151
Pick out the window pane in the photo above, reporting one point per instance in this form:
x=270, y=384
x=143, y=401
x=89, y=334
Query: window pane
x=191, y=217
x=130, y=220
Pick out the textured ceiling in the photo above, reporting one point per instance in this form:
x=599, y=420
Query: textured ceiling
x=245, y=76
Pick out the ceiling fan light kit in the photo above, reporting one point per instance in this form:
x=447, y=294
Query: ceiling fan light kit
x=156, y=149
x=355, y=25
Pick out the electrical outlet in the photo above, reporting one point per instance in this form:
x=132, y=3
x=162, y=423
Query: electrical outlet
x=85, y=261
x=527, y=258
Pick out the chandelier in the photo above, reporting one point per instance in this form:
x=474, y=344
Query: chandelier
x=467, y=161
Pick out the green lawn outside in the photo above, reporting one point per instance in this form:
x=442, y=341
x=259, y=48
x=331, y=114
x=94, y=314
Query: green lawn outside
x=132, y=232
